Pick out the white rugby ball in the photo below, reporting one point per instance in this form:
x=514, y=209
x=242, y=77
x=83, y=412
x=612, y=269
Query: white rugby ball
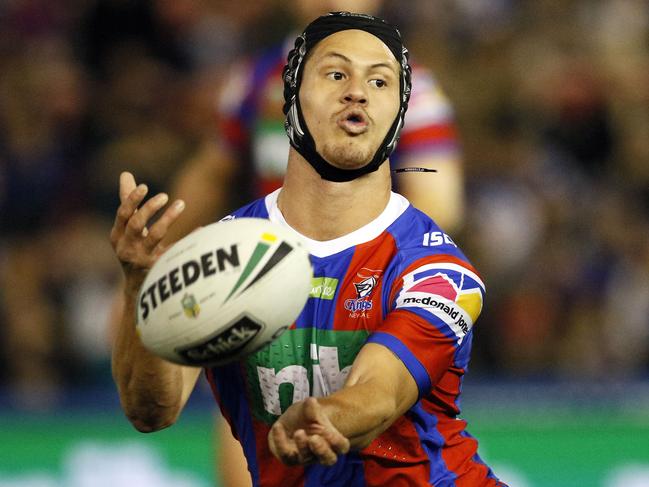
x=223, y=292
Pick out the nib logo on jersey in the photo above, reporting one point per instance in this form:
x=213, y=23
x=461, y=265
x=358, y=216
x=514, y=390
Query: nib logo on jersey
x=450, y=292
x=368, y=279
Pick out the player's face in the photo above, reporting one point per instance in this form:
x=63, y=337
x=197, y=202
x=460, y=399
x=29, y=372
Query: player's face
x=350, y=96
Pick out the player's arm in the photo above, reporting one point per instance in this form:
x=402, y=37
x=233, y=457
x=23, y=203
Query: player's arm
x=231, y=464
x=440, y=195
x=429, y=139
x=378, y=390
x=152, y=391
x=203, y=183
x=401, y=361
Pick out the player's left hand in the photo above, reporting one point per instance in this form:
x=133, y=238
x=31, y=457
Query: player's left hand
x=304, y=434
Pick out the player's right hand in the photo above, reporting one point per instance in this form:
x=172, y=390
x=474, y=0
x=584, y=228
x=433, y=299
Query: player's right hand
x=137, y=246
x=304, y=434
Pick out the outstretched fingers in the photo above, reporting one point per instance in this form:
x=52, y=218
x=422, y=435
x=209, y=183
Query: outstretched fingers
x=136, y=225
x=136, y=245
x=127, y=208
x=159, y=229
x=126, y=185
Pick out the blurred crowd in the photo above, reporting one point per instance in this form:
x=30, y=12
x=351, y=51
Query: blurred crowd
x=551, y=101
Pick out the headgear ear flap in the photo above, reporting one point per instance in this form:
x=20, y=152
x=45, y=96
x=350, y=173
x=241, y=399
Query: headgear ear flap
x=296, y=128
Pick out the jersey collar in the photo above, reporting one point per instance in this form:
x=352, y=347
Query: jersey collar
x=395, y=207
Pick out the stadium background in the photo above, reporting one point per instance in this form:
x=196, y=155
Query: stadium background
x=552, y=107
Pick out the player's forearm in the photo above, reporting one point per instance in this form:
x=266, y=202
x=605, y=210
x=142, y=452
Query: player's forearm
x=378, y=390
x=150, y=389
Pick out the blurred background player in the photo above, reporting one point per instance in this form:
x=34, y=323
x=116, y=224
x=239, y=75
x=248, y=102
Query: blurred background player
x=249, y=158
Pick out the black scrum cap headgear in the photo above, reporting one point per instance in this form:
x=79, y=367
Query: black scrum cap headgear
x=296, y=128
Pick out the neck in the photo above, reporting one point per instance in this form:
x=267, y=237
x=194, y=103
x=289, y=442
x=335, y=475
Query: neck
x=324, y=210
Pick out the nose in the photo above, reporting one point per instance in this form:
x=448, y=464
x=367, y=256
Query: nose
x=355, y=92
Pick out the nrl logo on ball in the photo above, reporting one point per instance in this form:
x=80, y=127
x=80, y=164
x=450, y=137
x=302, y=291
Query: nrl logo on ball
x=190, y=306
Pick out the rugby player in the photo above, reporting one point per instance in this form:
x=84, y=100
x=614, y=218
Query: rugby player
x=384, y=354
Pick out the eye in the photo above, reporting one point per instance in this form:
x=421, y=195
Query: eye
x=335, y=75
x=378, y=83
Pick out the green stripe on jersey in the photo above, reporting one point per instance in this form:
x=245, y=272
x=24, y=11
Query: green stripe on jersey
x=300, y=363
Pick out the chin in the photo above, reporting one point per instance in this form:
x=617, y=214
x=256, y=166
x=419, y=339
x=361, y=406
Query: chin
x=347, y=156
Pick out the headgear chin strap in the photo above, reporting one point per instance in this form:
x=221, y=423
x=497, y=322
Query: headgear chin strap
x=296, y=128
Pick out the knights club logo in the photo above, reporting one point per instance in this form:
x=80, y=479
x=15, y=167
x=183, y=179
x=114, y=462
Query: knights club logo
x=369, y=278
x=365, y=287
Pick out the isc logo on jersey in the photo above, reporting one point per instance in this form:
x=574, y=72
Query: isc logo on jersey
x=449, y=292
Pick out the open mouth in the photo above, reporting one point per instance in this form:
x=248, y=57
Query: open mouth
x=353, y=122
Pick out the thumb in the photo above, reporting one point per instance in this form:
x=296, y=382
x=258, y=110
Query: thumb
x=320, y=424
x=315, y=417
x=313, y=412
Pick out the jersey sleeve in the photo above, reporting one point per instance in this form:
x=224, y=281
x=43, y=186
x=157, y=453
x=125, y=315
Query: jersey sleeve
x=429, y=127
x=232, y=106
x=434, y=303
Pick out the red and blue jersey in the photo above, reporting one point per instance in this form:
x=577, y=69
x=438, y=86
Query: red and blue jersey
x=398, y=281
x=252, y=121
